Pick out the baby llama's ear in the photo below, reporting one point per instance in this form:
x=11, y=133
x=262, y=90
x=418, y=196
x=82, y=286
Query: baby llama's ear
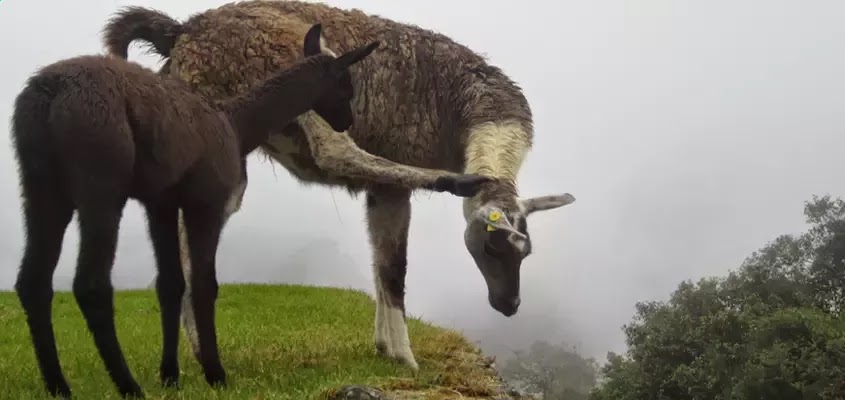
x=352, y=57
x=311, y=45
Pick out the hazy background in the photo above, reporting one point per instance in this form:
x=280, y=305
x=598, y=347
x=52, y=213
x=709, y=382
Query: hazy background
x=690, y=132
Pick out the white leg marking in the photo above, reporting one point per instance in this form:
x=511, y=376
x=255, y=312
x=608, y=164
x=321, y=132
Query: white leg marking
x=188, y=322
x=391, y=332
x=400, y=343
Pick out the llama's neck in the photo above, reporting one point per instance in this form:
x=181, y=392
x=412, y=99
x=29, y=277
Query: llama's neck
x=274, y=103
x=501, y=193
x=496, y=149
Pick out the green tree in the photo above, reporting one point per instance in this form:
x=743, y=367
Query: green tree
x=773, y=329
x=827, y=237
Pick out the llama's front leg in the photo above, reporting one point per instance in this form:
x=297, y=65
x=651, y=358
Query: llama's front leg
x=388, y=219
x=337, y=154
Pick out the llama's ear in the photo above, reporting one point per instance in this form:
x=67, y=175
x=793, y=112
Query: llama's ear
x=543, y=203
x=311, y=45
x=352, y=57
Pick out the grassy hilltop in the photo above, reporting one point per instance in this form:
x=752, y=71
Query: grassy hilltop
x=276, y=342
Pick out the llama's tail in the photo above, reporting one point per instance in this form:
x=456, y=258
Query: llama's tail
x=154, y=27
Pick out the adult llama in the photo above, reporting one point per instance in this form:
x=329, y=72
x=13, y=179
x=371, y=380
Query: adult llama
x=425, y=107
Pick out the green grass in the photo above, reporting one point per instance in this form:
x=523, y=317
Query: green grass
x=276, y=342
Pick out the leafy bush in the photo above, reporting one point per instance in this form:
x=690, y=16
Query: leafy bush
x=773, y=329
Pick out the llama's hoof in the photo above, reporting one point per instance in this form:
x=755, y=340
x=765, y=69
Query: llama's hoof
x=410, y=363
x=404, y=357
x=381, y=348
x=461, y=185
x=60, y=390
x=216, y=377
x=132, y=391
x=170, y=382
x=169, y=375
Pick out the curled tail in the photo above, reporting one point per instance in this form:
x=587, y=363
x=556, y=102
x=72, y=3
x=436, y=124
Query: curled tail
x=156, y=28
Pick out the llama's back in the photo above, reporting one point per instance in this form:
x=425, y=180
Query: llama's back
x=418, y=78
x=416, y=95
x=94, y=112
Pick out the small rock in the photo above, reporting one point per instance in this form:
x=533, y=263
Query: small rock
x=358, y=393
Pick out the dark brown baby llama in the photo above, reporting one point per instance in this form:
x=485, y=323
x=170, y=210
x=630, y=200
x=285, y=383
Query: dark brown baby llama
x=90, y=132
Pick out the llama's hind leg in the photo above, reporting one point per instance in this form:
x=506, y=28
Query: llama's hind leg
x=170, y=285
x=188, y=321
x=92, y=286
x=203, y=225
x=46, y=216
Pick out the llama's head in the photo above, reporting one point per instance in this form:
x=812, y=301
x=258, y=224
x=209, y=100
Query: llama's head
x=497, y=237
x=335, y=105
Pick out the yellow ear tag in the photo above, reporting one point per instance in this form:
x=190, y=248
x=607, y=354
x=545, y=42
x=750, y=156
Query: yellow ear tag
x=494, y=216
